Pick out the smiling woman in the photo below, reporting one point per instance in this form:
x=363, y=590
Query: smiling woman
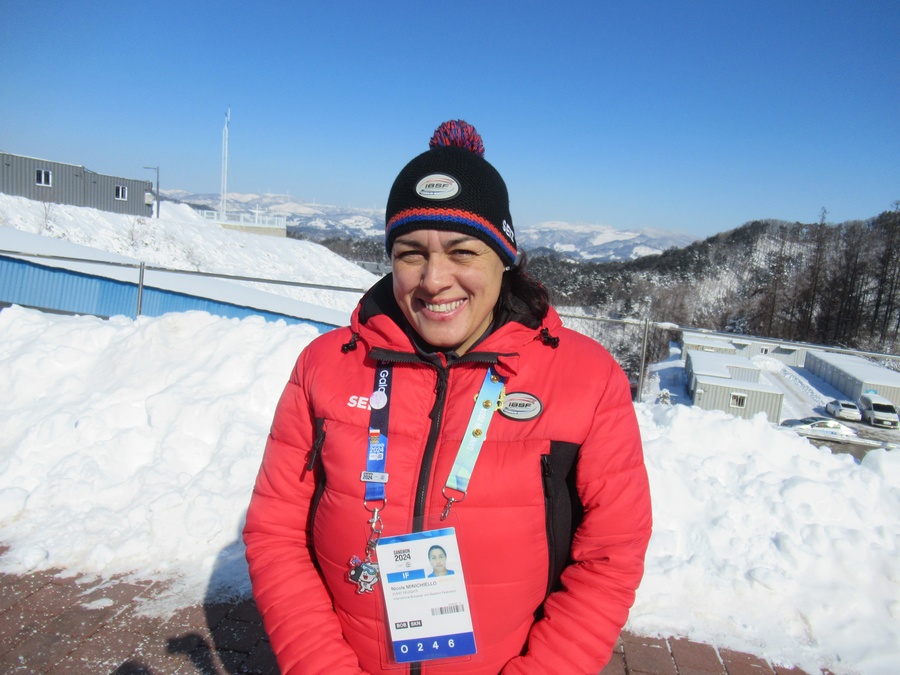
x=446, y=285
x=488, y=428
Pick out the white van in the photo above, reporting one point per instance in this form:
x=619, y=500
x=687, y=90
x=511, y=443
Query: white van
x=878, y=411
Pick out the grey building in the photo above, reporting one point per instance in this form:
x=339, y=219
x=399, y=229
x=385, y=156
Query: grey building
x=788, y=353
x=854, y=376
x=702, y=342
x=717, y=381
x=57, y=183
x=741, y=399
x=747, y=347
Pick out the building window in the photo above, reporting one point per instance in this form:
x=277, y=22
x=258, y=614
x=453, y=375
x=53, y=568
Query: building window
x=121, y=192
x=763, y=350
x=43, y=177
x=738, y=400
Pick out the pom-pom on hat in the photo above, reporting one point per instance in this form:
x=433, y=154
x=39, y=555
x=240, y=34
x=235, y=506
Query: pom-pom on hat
x=452, y=187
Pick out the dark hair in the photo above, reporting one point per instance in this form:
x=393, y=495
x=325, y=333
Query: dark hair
x=438, y=547
x=522, y=298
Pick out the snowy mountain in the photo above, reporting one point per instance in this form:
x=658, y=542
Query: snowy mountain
x=313, y=221
x=596, y=243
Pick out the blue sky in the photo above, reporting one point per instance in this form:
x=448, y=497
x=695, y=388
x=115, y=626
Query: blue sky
x=689, y=116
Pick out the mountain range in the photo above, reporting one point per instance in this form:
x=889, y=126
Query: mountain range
x=582, y=242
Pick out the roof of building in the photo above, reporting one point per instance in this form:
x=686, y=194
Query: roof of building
x=221, y=290
x=738, y=385
x=717, y=365
x=861, y=368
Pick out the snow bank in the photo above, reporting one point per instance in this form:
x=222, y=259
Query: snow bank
x=132, y=446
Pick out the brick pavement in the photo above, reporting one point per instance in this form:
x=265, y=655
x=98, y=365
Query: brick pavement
x=56, y=625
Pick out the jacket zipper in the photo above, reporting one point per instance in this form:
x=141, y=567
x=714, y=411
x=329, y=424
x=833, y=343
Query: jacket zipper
x=437, y=416
x=547, y=474
x=319, y=481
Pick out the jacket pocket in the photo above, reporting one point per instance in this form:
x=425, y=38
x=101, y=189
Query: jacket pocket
x=562, y=508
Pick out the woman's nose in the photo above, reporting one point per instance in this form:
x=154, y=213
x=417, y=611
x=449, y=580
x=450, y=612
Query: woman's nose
x=436, y=273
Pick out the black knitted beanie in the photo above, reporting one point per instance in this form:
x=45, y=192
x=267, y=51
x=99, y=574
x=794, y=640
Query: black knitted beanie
x=453, y=187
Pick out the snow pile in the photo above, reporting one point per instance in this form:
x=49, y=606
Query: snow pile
x=766, y=544
x=183, y=239
x=797, y=381
x=132, y=447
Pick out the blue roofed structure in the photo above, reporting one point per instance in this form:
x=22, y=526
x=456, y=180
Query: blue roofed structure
x=111, y=286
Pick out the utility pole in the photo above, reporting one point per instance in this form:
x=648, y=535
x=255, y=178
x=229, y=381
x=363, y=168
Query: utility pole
x=224, y=199
x=156, y=168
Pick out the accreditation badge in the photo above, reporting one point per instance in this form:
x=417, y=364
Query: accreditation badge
x=425, y=596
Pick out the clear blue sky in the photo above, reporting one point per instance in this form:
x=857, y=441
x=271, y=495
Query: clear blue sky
x=690, y=116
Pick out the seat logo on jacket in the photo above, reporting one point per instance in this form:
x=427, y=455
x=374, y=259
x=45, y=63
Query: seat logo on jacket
x=359, y=402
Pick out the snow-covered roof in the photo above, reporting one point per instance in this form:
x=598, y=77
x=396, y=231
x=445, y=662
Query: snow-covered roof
x=717, y=365
x=738, y=385
x=860, y=367
x=221, y=290
x=699, y=340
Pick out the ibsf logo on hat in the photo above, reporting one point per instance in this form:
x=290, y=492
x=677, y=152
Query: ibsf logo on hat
x=437, y=186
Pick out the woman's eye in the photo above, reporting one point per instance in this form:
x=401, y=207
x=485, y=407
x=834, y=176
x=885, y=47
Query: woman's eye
x=408, y=256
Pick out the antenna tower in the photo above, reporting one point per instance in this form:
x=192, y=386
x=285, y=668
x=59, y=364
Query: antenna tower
x=224, y=197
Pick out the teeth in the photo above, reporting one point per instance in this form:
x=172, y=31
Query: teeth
x=443, y=307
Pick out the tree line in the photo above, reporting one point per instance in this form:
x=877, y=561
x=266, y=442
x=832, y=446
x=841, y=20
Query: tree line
x=822, y=283
x=829, y=284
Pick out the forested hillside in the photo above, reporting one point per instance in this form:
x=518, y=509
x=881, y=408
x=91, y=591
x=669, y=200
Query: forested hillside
x=824, y=283
x=834, y=284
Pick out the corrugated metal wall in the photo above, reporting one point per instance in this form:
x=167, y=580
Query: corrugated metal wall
x=851, y=384
x=70, y=184
x=717, y=396
x=748, y=373
x=25, y=283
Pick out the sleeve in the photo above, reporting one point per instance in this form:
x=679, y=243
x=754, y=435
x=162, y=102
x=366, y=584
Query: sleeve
x=583, y=619
x=295, y=605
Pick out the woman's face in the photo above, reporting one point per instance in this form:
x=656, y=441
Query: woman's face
x=447, y=285
x=438, y=560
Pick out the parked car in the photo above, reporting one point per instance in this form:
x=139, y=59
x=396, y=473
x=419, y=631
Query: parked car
x=878, y=411
x=845, y=410
x=820, y=427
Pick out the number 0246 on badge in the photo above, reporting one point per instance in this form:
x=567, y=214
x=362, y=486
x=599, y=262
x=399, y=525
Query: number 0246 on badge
x=425, y=595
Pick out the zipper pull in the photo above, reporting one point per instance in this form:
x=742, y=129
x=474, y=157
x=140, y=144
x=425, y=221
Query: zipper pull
x=317, y=444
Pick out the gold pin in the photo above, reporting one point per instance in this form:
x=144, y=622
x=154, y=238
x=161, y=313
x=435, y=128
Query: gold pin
x=476, y=433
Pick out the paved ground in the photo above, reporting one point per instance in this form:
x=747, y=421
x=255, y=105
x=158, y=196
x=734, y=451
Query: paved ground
x=50, y=624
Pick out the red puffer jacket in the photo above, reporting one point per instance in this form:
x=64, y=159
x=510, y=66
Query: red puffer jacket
x=577, y=465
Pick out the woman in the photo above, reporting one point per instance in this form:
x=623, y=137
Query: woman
x=437, y=557
x=455, y=407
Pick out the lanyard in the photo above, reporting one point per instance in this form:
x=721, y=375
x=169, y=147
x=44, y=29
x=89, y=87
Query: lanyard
x=376, y=455
x=489, y=398
x=364, y=573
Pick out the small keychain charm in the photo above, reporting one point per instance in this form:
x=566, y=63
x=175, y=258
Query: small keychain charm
x=363, y=573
